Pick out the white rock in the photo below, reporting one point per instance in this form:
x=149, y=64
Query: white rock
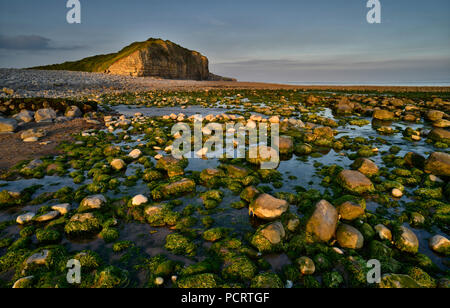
x=63, y=209
x=25, y=218
x=139, y=199
x=118, y=164
x=383, y=232
x=397, y=193
x=136, y=153
x=439, y=244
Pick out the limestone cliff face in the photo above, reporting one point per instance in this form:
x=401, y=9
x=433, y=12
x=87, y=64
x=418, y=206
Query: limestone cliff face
x=163, y=59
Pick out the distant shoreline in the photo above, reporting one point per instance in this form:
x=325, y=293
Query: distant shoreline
x=39, y=83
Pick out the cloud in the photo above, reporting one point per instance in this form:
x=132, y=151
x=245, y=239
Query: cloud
x=30, y=42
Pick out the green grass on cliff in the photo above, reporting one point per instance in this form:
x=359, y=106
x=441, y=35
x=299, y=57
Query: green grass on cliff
x=101, y=63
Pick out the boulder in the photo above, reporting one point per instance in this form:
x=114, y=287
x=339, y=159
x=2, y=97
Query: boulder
x=440, y=244
x=94, y=202
x=45, y=115
x=274, y=233
x=438, y=164
x=355, y=182
x=7, y=125
x=406, y=240
x=24, y=116
x=435, y=115
x=383, y=115
x=323, y=222
x=349, y=237
x=439, y=135
x=365, y=166
x=73, y=112
x=350, y=211
x=268, y=207
x=441, y=123
x=286, y=145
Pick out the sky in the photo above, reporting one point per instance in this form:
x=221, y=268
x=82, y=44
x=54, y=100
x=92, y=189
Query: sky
x=314, y=41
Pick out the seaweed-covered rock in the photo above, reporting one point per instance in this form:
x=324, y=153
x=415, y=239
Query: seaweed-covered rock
x=173, y=166
x=355, y=182
x=350, y=211
x=397, y=281
x=383, y=115
x=406, y=240
x=249, y=194
x=365, y=166
x=306, y=266
x=440, y=135
x=285, y=145
x=200, y=281
x=438, y=164
x=118, y=164
x=268, y=207
x=94, y=202
x=181, y=245
x=349, y=237
x=383, y=232
x=178, y=188
x=323, y=222
x=83, y=224
x=239, y=268
x=267, y=281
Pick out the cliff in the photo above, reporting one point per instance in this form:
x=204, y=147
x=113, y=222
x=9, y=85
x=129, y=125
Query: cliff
x=152, y=58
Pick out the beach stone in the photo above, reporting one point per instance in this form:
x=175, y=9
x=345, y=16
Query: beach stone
x=135, y=154
x=440, y=135
x=383, y=232
x=268, y=207
x=180, y=187
x=138, y=200
x=398, y=281
x=24, y=116
x=406, y=240
x=349, y=237
x=397, y=193
x=350, y=211
x=355, y=182
x=47, y=216
x=63, y=209
x=94, y=202
x=73, y=112
x=45, y=115
x=365, y=166
x=383, y=115
x=435, y=115
x=306, y=266
x=323, y=222
x=118, y=164
x=274, y=233
x=440, y=244
x=25, y=218
x=414, y=160
x=438, y=164
x=33, y=133
x=7, y=125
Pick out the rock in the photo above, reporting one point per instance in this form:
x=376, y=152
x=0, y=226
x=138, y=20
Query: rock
x=139, y=200
x=45, y=115
x=180, y=187
x=355, y=182
x=274, y=233
x=39, y=258
x=397, y=281
x=24, y=116
x=440, y=244
x=25, y=218
x=435, y=115
x=33, y=133
x=438, y=164
x=306, y=266
x=286, y=145
x=94, y=202
x=173, y=166
x=344, y=106
x=441, y=123
x=118, y=164
x=414, y=160
x=268, y=207
x=63, y=209
x=350, y=211
x=135, y=154
x=293, y=224
x=323, y=132
x=349, y=237
x=383, y=115
x=383, y=232
x=439, y=135
x=274, y=119
x=236, y=172
x=323, y=222
x=365, y=166
x=406, y=240
x=7, y=125
x=73, y=112
x=397, y=193
x=249, y=193
x=47, y=216
x=23, y=282
x=82, y=224
x=31, y=139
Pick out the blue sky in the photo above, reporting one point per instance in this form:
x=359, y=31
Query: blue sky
x=271, y=41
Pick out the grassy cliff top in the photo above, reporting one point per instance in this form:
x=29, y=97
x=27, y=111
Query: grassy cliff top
x=101, y=63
